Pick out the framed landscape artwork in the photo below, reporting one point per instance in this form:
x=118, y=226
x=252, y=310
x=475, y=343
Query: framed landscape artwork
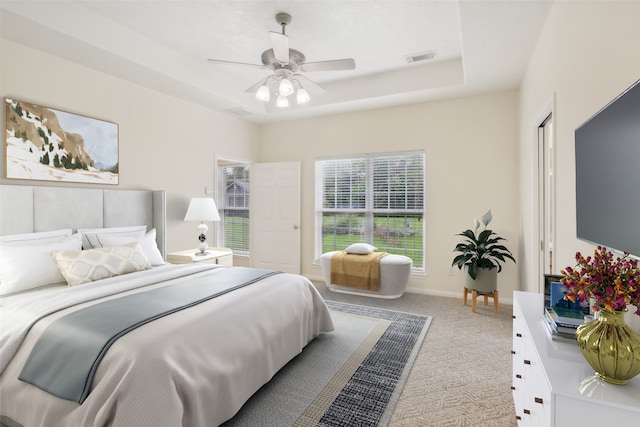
x=51, y=145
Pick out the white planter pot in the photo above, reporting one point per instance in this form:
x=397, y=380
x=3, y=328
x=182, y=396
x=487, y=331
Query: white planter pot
x=486, y=281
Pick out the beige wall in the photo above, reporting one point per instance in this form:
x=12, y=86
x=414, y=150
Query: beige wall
x=471, y=166
x=165, y=143
x=586, y=56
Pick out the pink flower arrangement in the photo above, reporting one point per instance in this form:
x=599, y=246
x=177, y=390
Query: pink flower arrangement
x=613, y=282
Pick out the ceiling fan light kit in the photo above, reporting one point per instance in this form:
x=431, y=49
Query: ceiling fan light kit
x=302, y=96
x=282, y=101
x=286, y=64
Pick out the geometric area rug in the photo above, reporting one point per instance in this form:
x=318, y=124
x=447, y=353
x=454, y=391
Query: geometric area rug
x=352, y=376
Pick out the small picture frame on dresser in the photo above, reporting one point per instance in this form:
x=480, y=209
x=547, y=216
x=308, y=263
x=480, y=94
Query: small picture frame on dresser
x=548, y=280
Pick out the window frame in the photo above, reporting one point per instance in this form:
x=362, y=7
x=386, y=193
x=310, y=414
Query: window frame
x=222, y=164
x=369, y=211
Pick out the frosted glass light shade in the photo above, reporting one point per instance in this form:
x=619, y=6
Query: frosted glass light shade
x=282, y=101
x=263, y=94
x=285, y=88
x=302, y=96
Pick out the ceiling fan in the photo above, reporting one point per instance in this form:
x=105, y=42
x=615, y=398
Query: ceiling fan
x=287, y=64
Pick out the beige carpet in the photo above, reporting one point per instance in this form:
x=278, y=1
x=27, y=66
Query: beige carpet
x=462, y=376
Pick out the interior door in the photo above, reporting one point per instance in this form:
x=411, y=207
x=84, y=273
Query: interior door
x=546, y=198
x=275, y=216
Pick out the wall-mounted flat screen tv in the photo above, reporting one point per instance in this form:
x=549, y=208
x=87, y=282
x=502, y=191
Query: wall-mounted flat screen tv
x=607, y=149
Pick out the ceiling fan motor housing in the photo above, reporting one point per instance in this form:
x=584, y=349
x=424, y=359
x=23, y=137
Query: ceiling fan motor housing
x=296, y=58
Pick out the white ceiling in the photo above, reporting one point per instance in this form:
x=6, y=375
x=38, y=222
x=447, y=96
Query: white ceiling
x=481, y=46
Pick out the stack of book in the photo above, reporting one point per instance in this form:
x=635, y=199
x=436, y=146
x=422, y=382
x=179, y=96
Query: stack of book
x=562, y=322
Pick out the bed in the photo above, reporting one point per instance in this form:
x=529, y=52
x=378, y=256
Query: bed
x=196, y=365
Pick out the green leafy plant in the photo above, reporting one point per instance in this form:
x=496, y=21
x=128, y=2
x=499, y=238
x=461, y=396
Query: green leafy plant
x=482, y=250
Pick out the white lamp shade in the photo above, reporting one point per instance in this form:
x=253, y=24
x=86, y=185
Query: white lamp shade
x=202, y=209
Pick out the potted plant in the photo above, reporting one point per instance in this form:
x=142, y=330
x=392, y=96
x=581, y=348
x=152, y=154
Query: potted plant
x=481, y=255
x=612, y=283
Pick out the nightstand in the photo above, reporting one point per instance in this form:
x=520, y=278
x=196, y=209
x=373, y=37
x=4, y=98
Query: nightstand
x=221, y=256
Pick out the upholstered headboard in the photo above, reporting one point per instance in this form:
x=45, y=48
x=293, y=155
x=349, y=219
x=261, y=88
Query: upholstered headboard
x=27, y=209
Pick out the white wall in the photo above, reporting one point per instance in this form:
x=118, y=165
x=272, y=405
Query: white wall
x=588, y=54
x=471, y=166
x=164, y=142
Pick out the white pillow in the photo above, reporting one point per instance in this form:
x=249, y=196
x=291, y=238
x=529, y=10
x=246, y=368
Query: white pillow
x=90, y=235
x=148, y=243
x=82, y=266
x=28, y=267
x=360, y=248
x=40, y=238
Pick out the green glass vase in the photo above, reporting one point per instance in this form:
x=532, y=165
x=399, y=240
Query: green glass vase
x=611, y=347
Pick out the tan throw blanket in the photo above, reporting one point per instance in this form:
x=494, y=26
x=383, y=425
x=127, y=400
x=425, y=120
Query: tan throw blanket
x=356, y=271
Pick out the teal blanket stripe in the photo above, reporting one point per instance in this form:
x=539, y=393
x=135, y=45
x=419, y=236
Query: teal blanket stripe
x=66, y=356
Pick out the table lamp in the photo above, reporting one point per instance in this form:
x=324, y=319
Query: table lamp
x=202, y=209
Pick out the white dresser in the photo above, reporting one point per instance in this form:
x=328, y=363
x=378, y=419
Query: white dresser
x=554, y=386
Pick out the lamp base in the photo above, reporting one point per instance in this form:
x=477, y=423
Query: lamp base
x=203, y=246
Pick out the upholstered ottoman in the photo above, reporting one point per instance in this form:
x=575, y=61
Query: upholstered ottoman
x=394, y=276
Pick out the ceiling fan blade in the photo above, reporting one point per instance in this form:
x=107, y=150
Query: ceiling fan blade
x=311, y=86
x=333, y=65
x=269, y=81
x=280, y=43
x=244, y=64
x=255, y=87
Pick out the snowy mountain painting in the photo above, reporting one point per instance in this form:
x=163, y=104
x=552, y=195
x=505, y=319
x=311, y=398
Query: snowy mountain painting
x=51, y=145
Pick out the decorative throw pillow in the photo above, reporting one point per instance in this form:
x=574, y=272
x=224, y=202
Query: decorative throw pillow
x=31, y=266
x=360, y=248
x=148, y=243
x=90, y=235
x=80, y=267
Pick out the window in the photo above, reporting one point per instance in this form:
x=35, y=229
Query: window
x=377, y=199
x=233, y=204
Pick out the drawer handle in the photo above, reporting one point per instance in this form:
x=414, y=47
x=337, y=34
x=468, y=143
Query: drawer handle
x=519, y=335
x=518, y=417
x=513, y=388
x=527, y=362
x=513, y=316
x=513, y=352
x=518, y=376
x=538, y=400
x=526, y=411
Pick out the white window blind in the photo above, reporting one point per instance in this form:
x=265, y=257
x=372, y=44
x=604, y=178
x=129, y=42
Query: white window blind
x=377, y=199
x=233, y=204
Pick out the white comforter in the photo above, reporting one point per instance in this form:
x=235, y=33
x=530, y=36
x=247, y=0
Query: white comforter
x=192, y=368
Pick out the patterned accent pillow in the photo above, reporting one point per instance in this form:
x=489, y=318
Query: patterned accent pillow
x=80, y=267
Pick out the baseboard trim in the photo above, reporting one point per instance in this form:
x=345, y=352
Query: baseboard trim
x=422, y=291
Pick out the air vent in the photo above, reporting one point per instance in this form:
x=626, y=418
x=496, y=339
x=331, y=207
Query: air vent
x=424, y=56
x=240, y=112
